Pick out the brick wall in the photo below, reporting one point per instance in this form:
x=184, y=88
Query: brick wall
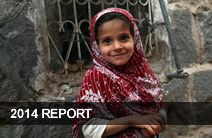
x=192, y=28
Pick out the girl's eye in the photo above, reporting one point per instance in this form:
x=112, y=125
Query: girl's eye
x=106, y=41
x=124, y=37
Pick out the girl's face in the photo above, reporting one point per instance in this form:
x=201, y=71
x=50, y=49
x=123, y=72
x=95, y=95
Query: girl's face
x=116, y=44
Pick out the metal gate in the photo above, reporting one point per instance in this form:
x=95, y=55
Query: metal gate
x=68, y=28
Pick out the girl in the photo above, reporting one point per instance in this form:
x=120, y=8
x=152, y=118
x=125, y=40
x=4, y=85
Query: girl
x=120, y=75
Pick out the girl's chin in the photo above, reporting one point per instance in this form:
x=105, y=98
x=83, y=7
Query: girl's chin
x=119, y=64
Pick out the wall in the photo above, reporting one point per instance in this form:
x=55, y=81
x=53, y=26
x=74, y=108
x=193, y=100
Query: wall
x=24, y=63
x=192, y=28
x=25, y=70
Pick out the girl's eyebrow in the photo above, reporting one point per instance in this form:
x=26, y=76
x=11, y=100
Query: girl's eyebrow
x=122, y=33
x=125, y=33
x=104, y=37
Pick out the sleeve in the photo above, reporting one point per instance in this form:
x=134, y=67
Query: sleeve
x=163, y=112
x=92, y=129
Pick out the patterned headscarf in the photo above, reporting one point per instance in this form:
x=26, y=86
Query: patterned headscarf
x=132, y=82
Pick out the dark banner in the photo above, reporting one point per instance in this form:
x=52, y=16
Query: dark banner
x=19, y=113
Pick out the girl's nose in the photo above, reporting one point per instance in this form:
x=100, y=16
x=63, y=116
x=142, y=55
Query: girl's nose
x=117, y=45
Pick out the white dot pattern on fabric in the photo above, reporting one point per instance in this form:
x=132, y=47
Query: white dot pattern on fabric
x=132, y=82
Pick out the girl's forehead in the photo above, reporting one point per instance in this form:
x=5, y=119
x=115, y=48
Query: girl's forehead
x=114, y=25
x=115, y=21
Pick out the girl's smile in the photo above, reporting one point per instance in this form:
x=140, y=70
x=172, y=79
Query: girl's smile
x=120, y=74
x=116, y=43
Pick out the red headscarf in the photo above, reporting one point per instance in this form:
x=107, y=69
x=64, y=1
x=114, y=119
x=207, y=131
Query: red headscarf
x=132, y=82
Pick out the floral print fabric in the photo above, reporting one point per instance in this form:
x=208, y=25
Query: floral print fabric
x=132, y=82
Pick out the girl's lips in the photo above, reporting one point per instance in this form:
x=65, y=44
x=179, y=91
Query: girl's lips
x=118, y=55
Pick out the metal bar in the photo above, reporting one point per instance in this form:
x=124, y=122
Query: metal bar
x=127, y=6
x=144, y=4
x=60, y=16
x=55, y=47
x=76, y=23
x=86, y=44
x=115, y=4
x=170, y=34
x=180, y=73
x=79, y=49
x=89, y=11
x=70, y=47
x=77, y=29
x=102, y=4
x=68, y=54
x=149, y=28
x=139, y=14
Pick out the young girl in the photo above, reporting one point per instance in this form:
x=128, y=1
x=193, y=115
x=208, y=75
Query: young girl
x=120, y=75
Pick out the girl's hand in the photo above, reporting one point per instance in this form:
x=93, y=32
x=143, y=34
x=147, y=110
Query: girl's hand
x=157, y=126
x=150, y=130
x=145, y=132
x=151, y=121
